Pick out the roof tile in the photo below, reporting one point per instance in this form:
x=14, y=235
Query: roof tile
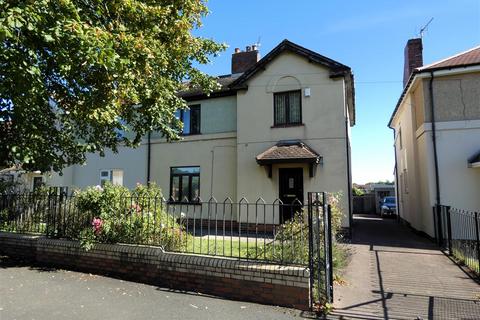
x=288, y=150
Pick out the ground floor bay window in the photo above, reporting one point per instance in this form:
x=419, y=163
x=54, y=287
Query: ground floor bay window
x=184, y=184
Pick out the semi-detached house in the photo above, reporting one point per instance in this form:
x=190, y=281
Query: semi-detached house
x=279, y=127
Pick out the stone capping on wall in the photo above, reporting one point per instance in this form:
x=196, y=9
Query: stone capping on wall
x=229, y=277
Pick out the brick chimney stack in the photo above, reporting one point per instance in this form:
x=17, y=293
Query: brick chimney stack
x=242, y=60
x=413, y=58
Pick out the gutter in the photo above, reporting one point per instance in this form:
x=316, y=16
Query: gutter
x=397, y=192
x=349, y=172
x=434, y=140
x=149, y=152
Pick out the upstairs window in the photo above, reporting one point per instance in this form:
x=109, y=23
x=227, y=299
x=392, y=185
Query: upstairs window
x=287, y=108
x=190, y=119
x=184, y=184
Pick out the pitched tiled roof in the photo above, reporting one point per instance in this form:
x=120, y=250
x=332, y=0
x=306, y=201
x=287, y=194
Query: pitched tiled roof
x=466, y=58
x=196, y=93
x=288, y=151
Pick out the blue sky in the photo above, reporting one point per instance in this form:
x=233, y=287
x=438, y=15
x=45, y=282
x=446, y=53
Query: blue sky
x=369, y=36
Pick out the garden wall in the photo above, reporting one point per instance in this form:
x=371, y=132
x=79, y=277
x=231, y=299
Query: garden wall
x=230, y=278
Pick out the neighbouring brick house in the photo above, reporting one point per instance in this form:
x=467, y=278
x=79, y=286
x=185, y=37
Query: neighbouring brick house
x=279, y=127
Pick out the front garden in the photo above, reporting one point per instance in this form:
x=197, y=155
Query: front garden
x=115, y=214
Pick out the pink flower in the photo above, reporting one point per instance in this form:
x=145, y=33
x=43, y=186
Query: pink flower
x=136, y=207
x=97, y=225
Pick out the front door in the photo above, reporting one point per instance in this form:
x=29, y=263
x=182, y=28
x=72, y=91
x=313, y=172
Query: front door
x=291, y=192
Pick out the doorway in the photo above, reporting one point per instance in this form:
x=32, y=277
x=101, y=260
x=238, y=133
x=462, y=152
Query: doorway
x=290, y=192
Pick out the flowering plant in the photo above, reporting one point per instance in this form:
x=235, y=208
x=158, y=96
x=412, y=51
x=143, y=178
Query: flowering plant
x=121, y=215
x=97, y=225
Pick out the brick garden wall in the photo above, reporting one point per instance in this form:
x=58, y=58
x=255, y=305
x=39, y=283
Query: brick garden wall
x=286, y=286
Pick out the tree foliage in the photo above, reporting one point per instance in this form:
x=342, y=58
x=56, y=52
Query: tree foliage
x=80, y=76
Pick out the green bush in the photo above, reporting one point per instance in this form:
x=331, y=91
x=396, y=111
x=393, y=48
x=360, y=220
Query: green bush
x=116, y=215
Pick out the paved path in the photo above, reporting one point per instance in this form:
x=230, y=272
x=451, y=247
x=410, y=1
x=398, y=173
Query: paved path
x=396, y=274
x=36, y=293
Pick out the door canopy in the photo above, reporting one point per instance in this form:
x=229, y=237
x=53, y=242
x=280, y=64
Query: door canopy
x=289, y=151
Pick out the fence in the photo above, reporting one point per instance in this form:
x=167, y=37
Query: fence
x=287, y=234
x=458, y=231
x=232, y=229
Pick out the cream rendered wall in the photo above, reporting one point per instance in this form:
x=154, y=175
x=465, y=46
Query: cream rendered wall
x=218, y=114
x=214, y=150
x=323, y=115
x=133, y=162
x=215, y=154
x=407, y=164
x=459, y=184
x=457, y=111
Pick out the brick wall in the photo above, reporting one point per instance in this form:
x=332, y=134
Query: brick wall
x=230, y=278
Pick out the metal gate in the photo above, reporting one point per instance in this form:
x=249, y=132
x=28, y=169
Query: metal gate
x=320, y=248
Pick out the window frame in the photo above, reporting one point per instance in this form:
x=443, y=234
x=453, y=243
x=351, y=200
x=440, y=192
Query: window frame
x=287, y=110
x=195, y=108
x=110, y=176
x=35, y=185
x=180, y=185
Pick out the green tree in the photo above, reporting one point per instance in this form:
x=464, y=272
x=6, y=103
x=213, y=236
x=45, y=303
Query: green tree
x=79, y=76
x=357, y=191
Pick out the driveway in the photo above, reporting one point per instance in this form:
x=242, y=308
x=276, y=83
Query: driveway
x=396, y=274
x=39, y=293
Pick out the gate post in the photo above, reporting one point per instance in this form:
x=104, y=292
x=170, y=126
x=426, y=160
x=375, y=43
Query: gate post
x=449, y=231
x=477, y=236
x=310, y=246
x=329, y=261
x=438, y=212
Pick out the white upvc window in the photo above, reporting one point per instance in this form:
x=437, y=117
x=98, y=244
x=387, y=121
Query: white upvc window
x=114, y=176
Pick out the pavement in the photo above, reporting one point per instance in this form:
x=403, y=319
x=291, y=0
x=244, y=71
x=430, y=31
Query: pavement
x=40, y=293
x=397, y=274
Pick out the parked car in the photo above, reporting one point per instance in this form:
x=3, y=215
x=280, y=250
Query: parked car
x=388, y=206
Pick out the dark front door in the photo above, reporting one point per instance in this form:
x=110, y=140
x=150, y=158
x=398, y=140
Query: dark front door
x=291, y=192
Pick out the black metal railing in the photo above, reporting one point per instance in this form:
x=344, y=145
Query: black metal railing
x=458, y=232
x=274, y=232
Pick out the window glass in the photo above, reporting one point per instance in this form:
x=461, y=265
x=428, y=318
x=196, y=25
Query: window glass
x=37, y=182
x=185, y=189
x=195, y=188
x=185, y=184
x=175, y=188
x=287, y=108
x=117, y=177
x=294, y=107
x=186, y=121
x=190, y=119
x=182, y=170
x=280, y=108
x=105, y=175
x=195, y=119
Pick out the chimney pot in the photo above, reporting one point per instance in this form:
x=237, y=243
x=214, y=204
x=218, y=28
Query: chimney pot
x=242, y=61
x=254, y=47
x=413, y=58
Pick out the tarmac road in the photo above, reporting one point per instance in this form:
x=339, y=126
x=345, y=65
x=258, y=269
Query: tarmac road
x=37, y=293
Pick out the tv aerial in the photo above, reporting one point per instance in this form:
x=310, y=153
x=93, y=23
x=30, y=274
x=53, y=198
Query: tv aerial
x=425, y=28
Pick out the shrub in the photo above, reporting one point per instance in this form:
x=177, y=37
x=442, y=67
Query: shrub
x=114, y=214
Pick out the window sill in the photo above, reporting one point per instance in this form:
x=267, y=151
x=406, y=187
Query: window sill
x=189, y=134
x=287, y=125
